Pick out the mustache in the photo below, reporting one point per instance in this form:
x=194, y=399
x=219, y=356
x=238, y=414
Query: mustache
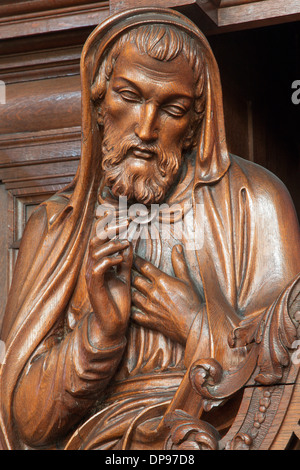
x=129, y=143
x=136, y=144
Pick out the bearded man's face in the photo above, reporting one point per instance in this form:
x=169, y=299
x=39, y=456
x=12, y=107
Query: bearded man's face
x=146, y=114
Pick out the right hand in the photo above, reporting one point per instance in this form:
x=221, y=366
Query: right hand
x=108, y=275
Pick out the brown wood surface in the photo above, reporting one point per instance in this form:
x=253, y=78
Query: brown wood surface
x=229, y=3
x=252, y=14
x=116, y=6
x=40, y=140
x=228, y=15
x=18, y=7
x=48, y=16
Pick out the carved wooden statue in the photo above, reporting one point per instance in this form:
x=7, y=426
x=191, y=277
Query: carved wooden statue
x=155, y=300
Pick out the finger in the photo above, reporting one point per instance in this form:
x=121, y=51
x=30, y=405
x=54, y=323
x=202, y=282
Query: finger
x=146, y=268
x=138, y=300
x=142, y=285
x=106, y=263
x=179, y=264
x=143, y=303
x=143, y=310
x=139, y=316
x=110, y=248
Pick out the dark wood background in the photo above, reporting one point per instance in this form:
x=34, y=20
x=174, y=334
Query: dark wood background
x=257, y=45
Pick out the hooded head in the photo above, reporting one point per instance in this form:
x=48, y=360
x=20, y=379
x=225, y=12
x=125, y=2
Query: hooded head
x=149, y=94
x=165, y=36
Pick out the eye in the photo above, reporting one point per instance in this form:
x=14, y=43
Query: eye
x=175, y=110
x=129, y=95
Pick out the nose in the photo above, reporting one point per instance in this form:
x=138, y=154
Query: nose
x=146, y=128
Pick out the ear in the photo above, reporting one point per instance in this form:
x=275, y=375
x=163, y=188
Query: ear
x=191, y=139
x=187, y=144
x=100, y=119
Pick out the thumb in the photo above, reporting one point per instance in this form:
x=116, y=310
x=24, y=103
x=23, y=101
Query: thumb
x=179, y=264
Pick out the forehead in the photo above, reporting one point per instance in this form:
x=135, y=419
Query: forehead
x=175, y=76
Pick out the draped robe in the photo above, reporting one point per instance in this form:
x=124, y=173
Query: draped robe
x=248, y=254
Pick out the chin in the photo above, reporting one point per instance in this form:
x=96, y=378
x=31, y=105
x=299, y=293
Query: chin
x=145, y=194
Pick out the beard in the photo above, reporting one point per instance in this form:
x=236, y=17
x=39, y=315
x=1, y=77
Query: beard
x=126, y=179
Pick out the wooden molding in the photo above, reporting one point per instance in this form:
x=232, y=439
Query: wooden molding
x=21, y=7
x=230, y=3
x=116, y=5
x=52, y=157
x=37, y=65
x=240, y=14
x=33, y=167
x=21, y=20
x=226, y=15
x=41, y=105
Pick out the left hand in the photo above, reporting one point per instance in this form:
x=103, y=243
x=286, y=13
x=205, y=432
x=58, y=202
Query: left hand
x=167, y=304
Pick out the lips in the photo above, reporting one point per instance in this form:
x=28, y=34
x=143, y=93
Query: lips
x=143, y=153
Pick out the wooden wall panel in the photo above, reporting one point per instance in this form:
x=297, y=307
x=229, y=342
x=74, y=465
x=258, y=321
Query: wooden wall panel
x=42, y=105
x=230, y=3
x=21, y=7
x=44, y=16
x=227, y=15
x=250, y=14
x=40, y=133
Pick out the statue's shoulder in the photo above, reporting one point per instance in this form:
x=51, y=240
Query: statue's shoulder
x=262, y=182
x=55, y=205
x=44, y=215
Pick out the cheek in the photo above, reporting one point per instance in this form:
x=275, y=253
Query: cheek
x=175, y=131
x=119, y=113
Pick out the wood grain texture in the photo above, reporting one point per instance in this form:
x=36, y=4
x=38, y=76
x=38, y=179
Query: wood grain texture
x=41, y=143
x=252, y=14
x=36, y=65
x=33, y=106
x=228, y=15
x=229, y=3
x=19, y=7
x=116, y=5
x=59, y=16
